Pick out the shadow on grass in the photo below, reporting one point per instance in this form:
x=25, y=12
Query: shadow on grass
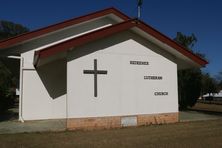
x=216, y=113
x=203, y=111
x=10, y=114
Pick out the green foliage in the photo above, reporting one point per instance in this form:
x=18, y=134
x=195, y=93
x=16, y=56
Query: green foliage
x=209, y=84
x=192, y=83
x=7, y=99
x=219, y=79
x=220, y=85
x=10, y=29
x=7, y=88
x=5, y=76
x=186, y=41
x=189, y=81
x=7, y=80
x=189, y=87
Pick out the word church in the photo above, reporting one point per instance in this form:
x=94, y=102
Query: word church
x=101, y=70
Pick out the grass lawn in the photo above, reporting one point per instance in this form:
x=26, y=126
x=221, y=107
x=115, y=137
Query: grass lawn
x=207, y=107
x=189, y=134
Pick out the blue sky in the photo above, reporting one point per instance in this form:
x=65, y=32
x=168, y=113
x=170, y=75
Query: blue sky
x=201, y=17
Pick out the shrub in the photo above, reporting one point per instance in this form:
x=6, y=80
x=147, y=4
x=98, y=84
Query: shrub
x=7, y=99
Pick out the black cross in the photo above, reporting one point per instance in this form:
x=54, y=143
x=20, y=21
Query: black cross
x=95, y=72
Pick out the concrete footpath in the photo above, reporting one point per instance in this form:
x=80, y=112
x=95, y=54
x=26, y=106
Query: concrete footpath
x=9, y=127
x=189, y=115
x=14, y=126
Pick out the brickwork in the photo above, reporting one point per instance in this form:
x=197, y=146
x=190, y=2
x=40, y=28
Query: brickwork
x=157, y=119
x=115, y=121
x=94, y=123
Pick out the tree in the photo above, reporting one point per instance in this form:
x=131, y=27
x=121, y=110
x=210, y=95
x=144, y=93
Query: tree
x=7, y=80
x=10, y=29
x=209, y=84
x=6, y=95
x=189, y=87
x=220, y=85
x=189, y=81
x=219, y=79
x=187, y=41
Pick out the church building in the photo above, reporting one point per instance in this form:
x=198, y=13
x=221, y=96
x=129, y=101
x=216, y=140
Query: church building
x=101, y=70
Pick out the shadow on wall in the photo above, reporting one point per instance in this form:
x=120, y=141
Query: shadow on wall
x=114, y=40
x=53, y=76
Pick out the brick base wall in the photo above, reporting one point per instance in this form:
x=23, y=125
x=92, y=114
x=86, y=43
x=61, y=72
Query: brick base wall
x=93, y=123
x=115, y=121
x=157, y=119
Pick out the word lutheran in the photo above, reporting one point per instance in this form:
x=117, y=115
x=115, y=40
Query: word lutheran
x=153, y=77
x=139, y=63
x=95, y=72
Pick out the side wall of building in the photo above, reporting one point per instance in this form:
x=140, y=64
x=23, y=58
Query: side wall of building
x=44, y=88
x=44, y=92
x=140, y=81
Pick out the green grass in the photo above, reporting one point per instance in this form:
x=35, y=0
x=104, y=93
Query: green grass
x=190, y=134
x=207, y=107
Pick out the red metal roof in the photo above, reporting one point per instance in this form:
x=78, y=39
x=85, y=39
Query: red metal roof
x=33, y=34
x=92, y=36
x=89, y=37
x=163, y=38
x=127, y=24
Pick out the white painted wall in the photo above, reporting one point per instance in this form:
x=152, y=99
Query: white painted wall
x=44, y=92
x=38, y=101
x=123, y=91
